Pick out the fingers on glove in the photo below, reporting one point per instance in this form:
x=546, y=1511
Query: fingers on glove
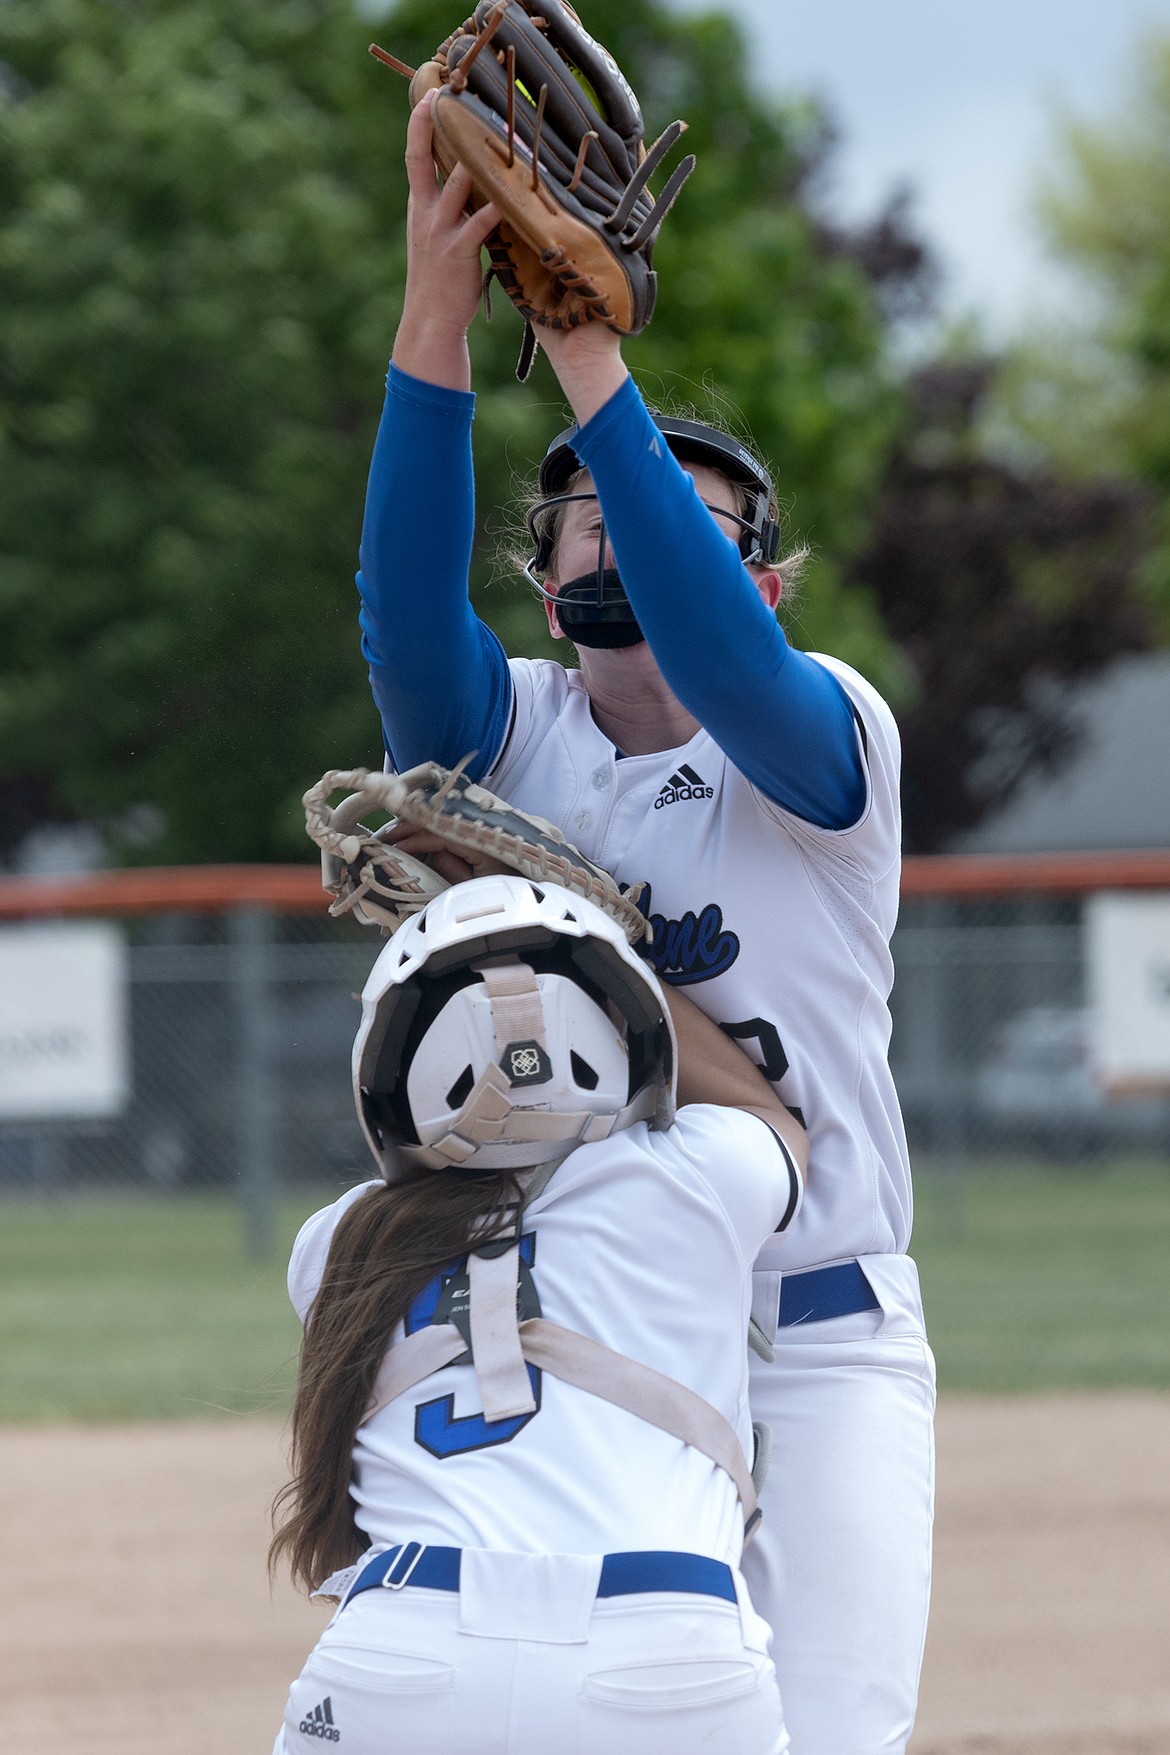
x=452, y=866
x=456, y=191
x=420, y=165
x=456, y=867
x=446, y=199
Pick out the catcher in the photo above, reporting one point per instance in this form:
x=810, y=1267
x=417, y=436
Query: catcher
x=519, y=1441
x=756, y=788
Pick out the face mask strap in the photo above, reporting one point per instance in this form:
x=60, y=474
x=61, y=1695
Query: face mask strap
x=757, y=541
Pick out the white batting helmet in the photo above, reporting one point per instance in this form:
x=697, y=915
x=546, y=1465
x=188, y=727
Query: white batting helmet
x=505, y=1023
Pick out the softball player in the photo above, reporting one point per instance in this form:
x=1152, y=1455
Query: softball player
x=756, y=787
x=532, y=1505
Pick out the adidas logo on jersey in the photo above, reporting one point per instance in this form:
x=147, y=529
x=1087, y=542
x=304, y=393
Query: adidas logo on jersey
x=685, y=784
x=319, y=1723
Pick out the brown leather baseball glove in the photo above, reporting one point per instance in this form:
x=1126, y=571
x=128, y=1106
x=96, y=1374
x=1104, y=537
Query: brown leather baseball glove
x=543, y=118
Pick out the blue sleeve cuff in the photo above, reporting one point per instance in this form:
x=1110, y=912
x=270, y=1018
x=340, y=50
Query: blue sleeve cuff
x=435, y=396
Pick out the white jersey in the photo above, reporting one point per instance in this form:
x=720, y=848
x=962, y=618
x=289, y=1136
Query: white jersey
x=645, y=1242
x=778, y=929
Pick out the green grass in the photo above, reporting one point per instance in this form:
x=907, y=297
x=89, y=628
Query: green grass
x=1054, y=1278
x=110, y=1308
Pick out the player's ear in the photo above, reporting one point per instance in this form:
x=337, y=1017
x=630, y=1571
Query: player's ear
x=769, y=584
x=554, y=626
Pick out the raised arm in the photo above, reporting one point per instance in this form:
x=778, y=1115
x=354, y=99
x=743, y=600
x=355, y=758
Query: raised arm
x=439, y=676
x=444, y=277
x=782, y=718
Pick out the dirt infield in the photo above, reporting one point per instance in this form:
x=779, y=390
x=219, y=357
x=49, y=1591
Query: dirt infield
x=136, y=1619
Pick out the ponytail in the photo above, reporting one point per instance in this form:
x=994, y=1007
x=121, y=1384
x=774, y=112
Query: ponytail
x=386, y=1248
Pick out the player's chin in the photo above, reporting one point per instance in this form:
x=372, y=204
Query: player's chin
x=638, y=656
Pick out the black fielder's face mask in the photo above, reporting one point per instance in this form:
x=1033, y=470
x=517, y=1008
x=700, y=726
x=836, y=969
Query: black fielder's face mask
x=592, y=609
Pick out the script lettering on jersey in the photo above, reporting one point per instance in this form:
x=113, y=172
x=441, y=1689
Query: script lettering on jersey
x=696, y=947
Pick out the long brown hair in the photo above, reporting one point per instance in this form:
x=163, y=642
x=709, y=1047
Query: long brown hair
x=386, y=1248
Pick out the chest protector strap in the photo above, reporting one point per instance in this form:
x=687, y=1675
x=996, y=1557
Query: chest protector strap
x=501, y=1344
x=497, y=1348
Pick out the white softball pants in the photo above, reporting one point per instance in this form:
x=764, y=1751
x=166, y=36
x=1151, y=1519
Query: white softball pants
x=422, y=1672
x=840, y=1565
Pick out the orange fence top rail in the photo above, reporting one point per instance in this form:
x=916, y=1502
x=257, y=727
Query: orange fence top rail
x=296, y=889
x=168, y=889
x=988, y=875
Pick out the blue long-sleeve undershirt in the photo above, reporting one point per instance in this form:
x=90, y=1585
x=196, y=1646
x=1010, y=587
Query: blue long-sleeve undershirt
x=440, y=677
x=783, y=719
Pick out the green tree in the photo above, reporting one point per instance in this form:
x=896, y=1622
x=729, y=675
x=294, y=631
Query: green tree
x=999, y=581
x=1093, y=394
x=201, y=260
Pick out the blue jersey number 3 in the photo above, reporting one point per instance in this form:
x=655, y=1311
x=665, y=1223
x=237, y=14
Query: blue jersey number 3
x=437, y=1427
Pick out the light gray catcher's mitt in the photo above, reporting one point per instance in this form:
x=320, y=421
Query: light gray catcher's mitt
x=381, y=886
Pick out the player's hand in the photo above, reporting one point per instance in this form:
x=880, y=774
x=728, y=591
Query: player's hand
x=455, y=867
x=444, y=276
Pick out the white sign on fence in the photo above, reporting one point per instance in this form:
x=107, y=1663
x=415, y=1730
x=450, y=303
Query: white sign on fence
x=64, y=1050
x=1128, y=948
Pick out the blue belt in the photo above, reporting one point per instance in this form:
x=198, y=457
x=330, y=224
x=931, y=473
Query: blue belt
x=622, y=1575
x=841, y=1290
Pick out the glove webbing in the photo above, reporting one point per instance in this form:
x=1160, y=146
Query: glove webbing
x=383, y=886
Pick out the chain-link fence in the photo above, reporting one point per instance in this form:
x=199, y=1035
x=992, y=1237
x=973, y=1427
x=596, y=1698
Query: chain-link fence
x=240, y=1025
x=992, y=1051
x=239, y=1028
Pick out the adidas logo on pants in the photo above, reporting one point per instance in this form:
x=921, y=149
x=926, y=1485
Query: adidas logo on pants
x=319, y=1723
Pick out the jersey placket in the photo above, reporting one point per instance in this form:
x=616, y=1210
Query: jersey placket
x=627, y=789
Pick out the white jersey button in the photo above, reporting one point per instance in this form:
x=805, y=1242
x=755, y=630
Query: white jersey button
x=582, y=820
x=601, y=778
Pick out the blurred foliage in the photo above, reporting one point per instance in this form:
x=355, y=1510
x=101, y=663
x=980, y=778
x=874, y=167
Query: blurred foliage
x=194, y=269
x=1000, y=581
x=1093, y=392
x=201, y=261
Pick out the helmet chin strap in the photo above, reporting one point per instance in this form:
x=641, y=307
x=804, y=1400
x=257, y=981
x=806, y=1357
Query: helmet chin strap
x=492, y=1112
x=517, y=1013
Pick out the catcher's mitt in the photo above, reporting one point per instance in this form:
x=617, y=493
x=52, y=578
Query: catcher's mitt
x=542, y=117
x=369, y=877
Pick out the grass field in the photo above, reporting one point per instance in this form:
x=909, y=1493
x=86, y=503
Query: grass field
x=119, y=1307
x=112, y=1308
x=1047, y=1278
